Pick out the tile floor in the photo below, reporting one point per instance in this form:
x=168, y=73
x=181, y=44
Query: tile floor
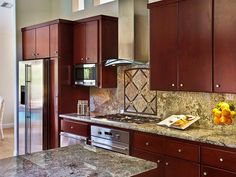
x=7, y=144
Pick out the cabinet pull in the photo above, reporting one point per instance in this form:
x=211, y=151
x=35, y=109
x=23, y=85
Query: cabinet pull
x=221, y=159
x=158, y=161
x=205, y=173
x=179, y=150
x=217, y=85
x=167, y=163
x=82, y=59
x=71, y=127
x=181, y=85
x=172, y=85
x=86, y=58
x=147, y=143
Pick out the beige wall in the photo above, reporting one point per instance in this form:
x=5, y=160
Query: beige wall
x=7, y=64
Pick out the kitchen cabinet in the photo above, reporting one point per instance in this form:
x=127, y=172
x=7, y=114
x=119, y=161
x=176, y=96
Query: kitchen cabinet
x=181, y=45
x=95, y=41
x=163, y=47
x=195, y=45
x=173, y=157
x=75, y=127
x=224, y=42
x=54, y=40
x=214, y=172
x=36, y=43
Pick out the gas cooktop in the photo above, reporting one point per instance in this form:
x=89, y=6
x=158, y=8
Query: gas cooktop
x=127, y=118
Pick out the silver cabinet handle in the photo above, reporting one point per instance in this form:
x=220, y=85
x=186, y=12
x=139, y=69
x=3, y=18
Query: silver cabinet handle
x=86, y=58
x=167, y=163
x=205, y=173
x=221, y=159
x=117, y=147
x=147, y=143
x=82, y=58
x=217, y=85
x=172, y=85
x=71, y=127
x=181, y=85
x=179, y=150
x=158, y=161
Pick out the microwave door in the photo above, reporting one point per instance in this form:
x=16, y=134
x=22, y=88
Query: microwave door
x=86, y=75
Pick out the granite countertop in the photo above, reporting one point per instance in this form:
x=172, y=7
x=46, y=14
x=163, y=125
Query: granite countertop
x=74, y=161
x=220, y=136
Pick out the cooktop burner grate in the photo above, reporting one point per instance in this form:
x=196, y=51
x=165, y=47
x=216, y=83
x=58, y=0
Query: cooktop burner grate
x=128, y=118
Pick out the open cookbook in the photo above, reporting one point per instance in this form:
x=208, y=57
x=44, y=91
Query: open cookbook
x=179, y=121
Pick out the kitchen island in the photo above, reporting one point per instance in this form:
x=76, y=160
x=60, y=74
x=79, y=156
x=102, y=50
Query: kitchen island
x=74, y=161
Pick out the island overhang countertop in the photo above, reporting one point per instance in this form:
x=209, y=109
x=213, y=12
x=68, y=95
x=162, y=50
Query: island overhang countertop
x=74, y=161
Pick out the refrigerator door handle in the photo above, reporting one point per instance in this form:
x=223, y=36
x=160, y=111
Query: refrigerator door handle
x=28, y=109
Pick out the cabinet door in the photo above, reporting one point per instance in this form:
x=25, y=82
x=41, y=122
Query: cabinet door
x=92, y=42
x=79, y=43
x=214, y=172
x=181, y=168
x=163, y=47
x=42, y=42
x=157, y=158
x=28, y=39
x=225, y=42
x=54, y=40
x=195, y=45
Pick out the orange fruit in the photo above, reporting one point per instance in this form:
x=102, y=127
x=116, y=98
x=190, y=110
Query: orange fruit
x=226, y=112
x=232, y=114
x=223, y=119
x=229, y=121
x=217, y=120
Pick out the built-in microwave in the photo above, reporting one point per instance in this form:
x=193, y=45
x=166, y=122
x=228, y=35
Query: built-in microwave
x=85, y=74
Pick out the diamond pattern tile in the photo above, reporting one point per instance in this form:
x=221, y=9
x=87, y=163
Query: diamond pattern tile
x=138, y=97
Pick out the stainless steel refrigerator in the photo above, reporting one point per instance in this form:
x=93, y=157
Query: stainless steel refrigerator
x=33, y=106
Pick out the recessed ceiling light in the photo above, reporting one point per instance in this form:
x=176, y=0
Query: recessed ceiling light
x=6, y=5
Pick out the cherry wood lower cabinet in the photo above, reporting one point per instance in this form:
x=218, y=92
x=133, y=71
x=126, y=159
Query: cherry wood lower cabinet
x=75, y=127
x=215, y=172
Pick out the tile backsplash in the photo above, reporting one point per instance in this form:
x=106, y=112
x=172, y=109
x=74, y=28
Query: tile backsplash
x=167, y=103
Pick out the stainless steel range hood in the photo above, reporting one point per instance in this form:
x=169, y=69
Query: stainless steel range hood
x=119, y=61
x=133, y=33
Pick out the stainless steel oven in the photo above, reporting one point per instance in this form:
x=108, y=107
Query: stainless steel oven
x=86, y=74
x=111, y=139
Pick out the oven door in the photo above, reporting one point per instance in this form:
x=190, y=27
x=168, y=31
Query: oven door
x=85, y=74
x=67, y=139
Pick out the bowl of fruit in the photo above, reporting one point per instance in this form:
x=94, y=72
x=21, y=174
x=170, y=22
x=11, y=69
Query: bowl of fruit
x=224, y=113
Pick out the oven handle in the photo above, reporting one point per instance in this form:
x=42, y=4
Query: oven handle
x=73, y=137
x=117, y=147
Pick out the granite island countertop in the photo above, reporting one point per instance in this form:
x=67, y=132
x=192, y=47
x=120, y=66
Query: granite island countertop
x=219, y=136
x=74, y=161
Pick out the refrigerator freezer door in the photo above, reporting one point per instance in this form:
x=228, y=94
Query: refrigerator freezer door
x=31, y=114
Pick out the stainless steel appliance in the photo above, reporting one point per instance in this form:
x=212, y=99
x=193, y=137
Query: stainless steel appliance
x=67, y=139
x=111, y=139
x=33, y=106
x=129, y=118
x=85, y=74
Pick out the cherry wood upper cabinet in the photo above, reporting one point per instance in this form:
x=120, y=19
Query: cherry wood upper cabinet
x=28, y=44
x=195, y=45
x=224, y=48
x=86, y=42
x=79, y=43
x=42, y=42
x=36, y=43
x=54, y=40
x=163, y=47
x=92, y=41
x=181, y=45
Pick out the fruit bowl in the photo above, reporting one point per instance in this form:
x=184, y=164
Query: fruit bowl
x=224, y=113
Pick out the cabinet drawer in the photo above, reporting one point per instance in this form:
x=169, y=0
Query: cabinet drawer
x=77, y=128
x=219, y=158
x=214, y=172
x=148, y=142
x=182, y=150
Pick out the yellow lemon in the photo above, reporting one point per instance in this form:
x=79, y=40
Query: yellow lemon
x=232, y=114
x=218, y=113
x=214, y=110
x=224, y=106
